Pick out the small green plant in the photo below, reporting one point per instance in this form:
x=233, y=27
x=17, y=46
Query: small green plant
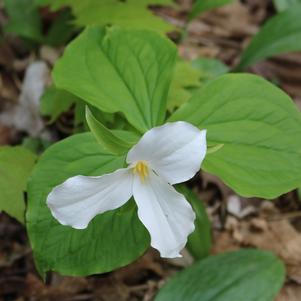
x=253, y=135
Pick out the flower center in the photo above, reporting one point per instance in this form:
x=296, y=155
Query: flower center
x=141, y=168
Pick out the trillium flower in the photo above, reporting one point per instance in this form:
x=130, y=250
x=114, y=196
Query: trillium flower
x=164, y=156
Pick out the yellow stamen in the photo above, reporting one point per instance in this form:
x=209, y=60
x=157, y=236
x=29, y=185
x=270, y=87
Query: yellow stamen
x=141, y=169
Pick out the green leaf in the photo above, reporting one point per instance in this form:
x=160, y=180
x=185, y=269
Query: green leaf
x=112, y=239
x=201, y=6
x=16, y=164
x=282, y=5
x=188, y=76
x=61, y=29
x=213, y=148
x=260, y=129
x=280, y=34
x=209, y=68
x=120, y=70
x=54, y=102
x=24, y=19
x=36, y=145
x=80, y=116
x=127, y=14
x=199, y=242
x=185, y=77
x=246, y=275
x=106, y=138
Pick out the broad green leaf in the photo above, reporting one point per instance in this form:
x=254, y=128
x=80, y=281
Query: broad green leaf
x=55, y=4
x=16, y=164
x=54, y=102
x=280, y=34
x=214, y=148
x=260, y=129
x=209, y=68
x=127, y=14
x=112, y=239
x=120, y=71
x=282, y=5
x=189, y=76
x=106, y=138
x=246, y=275
x=201, y=6
x=126, y=135
x=24, y=19
x=199, y=242
x=185, y=77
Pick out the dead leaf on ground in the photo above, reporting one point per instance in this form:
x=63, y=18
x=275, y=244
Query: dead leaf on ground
x=290, y=292
x=25, y=115
x=273, y=233
x=36, y=289
x=283, y=70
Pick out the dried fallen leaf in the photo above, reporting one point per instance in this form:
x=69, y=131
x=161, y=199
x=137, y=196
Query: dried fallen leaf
x=235, y=207
x=65, y=289
x=277, y=236
x=25, y=116
x=290, y=292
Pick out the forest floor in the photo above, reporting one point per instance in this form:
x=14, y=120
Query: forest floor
x=237, y=222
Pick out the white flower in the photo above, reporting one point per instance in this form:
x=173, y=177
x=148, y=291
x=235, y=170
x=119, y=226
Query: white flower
x=164, y=156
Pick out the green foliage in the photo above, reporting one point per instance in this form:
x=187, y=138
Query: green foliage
x=252, y=121
x=54, y=102
x=282, y=5
x=209, y=68
x=280, y=34
x=15, y=168
x=201, y=6
x=112, y=239
x=259, y=128
x=199, y=242
x=185, y=77
x=254, y=139
x=36, y=145
x=127, y=14
x=188, y=76
x=61, y=30
x=123, y=71
x=106, y=138
x=24, y=19
x=246, y=275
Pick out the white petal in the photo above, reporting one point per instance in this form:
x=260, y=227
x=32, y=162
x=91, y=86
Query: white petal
x=165, y=213
x=79, y=199
x=174, y=151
